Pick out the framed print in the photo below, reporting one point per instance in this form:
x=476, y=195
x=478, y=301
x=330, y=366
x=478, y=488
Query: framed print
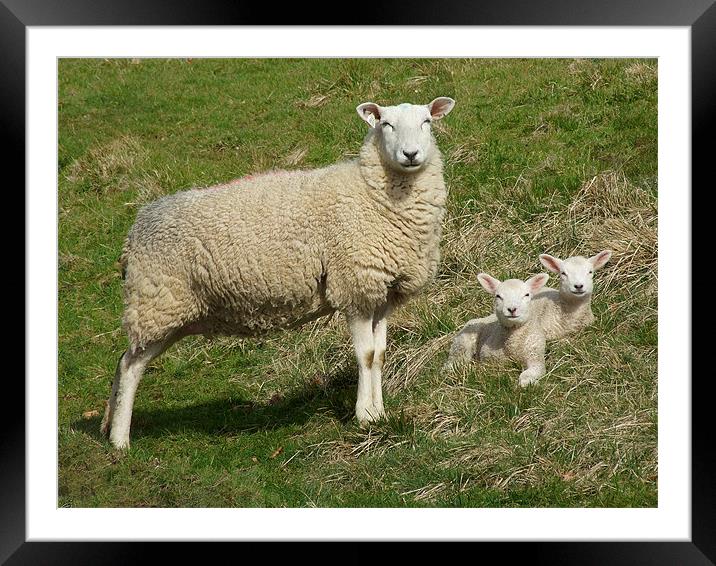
x=553, y=134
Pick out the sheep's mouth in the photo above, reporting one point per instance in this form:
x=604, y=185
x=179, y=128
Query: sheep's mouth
x=411, y=165
x=579, y=293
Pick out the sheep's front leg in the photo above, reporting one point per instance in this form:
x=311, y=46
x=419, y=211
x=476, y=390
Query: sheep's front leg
x=534, y=361
x=380, y=333
x=364, y=345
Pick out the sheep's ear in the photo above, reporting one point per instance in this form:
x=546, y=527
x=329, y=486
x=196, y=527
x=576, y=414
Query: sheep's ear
x=600, y=259
x=552, y=263
x=536, y=282
x=440, y=107
x=488, y=282
x=370, y=112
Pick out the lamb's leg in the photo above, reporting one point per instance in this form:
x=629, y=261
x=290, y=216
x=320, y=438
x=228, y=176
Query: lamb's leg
x=535, y=363
x=118, y=411
x=362, y=333
x=380, y=332
x=464, y=345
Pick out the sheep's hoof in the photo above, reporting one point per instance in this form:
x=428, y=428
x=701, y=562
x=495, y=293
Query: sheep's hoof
x=368, y=415
x=379, y=413
x=104, y=426
x=121, y=444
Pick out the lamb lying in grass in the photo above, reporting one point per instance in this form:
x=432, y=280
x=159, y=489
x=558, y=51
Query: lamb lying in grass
x=512, y=331
x=525, y=319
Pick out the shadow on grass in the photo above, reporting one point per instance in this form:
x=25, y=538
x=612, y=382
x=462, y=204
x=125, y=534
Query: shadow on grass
x=228, y=416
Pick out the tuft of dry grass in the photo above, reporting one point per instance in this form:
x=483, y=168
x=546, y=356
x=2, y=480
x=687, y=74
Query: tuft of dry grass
x=293, y=158
x=113, y=161
x=641, y=73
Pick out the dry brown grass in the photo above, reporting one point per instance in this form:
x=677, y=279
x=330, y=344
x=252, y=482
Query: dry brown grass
x=107, y=162
x=641, y=72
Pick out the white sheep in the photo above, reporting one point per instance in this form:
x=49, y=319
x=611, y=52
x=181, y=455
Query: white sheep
x=549, y=315
x=276, y=250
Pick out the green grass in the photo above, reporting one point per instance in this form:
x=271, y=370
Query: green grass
x=541, y=155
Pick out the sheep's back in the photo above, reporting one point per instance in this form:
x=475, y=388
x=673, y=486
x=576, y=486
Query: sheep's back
x=241, y=257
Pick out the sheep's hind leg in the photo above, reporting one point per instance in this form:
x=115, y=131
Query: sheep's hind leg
x=118, y=412
x=464, y=346
x=362, y=333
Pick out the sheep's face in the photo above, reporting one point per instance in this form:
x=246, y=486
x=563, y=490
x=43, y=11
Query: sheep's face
x=512, y=297
x=576, y=273
x=404, y=132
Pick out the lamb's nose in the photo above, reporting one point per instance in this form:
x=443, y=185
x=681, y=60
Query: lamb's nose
x=410, y=154
x=512, y=310
x=578, y=287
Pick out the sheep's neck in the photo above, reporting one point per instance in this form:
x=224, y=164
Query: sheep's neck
x=575, y=305
x=575, y=313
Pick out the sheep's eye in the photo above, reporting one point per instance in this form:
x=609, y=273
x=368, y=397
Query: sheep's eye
x=590, y=272
x=527, y=295
x=384, y=124
x=498, y=296
x=563, y=273
x=427, y=121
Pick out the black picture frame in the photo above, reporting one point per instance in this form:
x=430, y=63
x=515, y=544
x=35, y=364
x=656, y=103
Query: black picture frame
x=700, y=15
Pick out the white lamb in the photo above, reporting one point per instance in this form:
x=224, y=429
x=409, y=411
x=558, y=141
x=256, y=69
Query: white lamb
x=545, y=315
x=276, y=250
x=510, y=332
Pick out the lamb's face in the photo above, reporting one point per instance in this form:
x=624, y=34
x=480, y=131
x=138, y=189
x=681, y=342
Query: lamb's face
x=576, y=273
x=512, y=297
x=404, y=132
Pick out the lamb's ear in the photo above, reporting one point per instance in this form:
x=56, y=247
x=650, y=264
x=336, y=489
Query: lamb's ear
x=552, y=263
x=600, y=259
x=536, y=282
x=370, y=112
x=488, y=282
x=440, y=107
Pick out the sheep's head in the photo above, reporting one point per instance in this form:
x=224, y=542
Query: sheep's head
x=576, y=273
x=404, y=133
x=512, y=297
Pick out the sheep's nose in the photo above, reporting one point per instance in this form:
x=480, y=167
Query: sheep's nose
x=512, y=310
x=578, y=287
x=410, y=154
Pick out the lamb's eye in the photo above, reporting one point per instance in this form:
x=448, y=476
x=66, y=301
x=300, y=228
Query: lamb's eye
x=498, y=296
x=427, y=121
x=563, y=273
x=527, y=295
x=590, y=272
x=387, y=124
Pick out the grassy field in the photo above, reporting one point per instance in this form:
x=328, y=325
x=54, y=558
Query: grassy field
x=556, y=156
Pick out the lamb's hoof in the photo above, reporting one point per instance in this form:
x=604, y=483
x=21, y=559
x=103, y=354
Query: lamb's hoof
x=527, y=381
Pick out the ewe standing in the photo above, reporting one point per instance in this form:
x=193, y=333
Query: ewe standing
x=276, y=250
